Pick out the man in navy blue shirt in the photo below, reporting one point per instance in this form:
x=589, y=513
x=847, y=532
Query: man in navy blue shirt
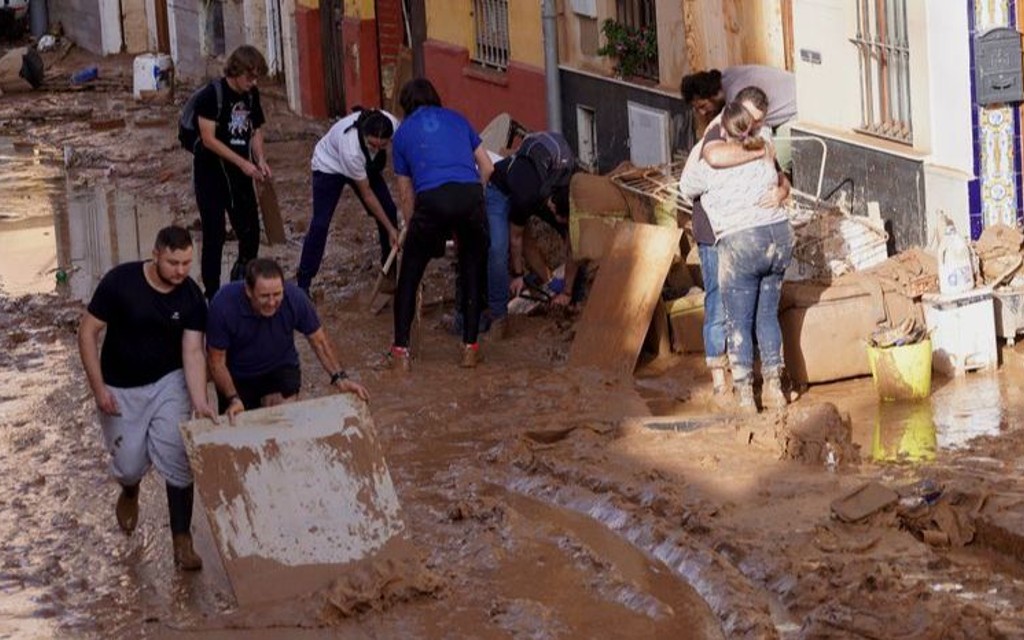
x=250, y=341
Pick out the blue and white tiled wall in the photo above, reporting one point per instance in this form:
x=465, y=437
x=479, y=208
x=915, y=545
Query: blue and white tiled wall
x=995, y=195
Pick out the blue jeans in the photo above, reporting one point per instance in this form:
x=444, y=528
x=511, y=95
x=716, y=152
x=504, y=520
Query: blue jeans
x=327, y=188
x=714, y=313
x=751, y=265
x=498, y=206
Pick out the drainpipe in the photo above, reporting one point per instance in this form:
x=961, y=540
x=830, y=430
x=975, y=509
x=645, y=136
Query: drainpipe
x=37, y=18
x=549, y=18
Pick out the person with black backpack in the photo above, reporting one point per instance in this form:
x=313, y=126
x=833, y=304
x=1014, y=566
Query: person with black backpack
x=534, y=181
x=353, y=152
x=229, y=155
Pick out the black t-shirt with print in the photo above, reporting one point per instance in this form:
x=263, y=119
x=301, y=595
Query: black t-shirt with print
x=240, y=115
x=144, y=326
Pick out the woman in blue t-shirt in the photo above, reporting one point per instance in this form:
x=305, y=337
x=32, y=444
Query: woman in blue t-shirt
x=441, y=167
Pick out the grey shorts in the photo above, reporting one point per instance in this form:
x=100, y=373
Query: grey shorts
x=147, y=431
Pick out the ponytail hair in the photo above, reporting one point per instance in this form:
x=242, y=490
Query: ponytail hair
x=739, y=125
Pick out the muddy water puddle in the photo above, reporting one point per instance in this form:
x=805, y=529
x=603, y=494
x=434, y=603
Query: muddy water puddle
x=61, y=233
x=31, y=188
x=957, y=411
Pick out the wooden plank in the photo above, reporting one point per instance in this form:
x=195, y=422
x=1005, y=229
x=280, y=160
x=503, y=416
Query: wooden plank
x=273, y=224
x=622, y=301
x=297, y=495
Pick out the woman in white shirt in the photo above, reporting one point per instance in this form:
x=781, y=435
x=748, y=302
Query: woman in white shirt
x=755, y=245
x=353, y=152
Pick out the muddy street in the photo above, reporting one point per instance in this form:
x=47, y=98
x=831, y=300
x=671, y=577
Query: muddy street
x=543, y=502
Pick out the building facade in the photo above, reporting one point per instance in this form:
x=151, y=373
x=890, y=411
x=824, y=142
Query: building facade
x=902, y=93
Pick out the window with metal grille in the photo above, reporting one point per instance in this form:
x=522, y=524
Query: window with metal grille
x=639, y=15
x=884, y=55
x=491, y=21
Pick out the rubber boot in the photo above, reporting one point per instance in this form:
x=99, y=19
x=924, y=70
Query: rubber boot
x=772, y=395
x=718, y=381
x=744, y=391
x=127, y=509
x=179, y=506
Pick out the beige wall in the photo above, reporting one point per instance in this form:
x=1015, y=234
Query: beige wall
x=693, y=35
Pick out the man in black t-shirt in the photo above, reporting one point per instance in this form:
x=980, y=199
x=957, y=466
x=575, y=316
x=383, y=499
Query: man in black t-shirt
x=150, y=376
x=534, y=181
x=227, y=160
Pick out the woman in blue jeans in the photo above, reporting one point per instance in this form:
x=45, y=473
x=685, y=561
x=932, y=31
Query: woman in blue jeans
x=352, y=153
x=755, y=245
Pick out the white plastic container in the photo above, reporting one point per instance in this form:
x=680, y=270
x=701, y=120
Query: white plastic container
x=956, y=265
x=963, y=331
x=1009, y=305
x=152, y=71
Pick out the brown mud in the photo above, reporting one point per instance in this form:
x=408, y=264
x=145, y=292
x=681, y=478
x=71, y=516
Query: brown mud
x=545, y=502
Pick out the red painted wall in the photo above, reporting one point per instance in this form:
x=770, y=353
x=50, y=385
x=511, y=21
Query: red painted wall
x=480, y=94
x=311, y=62
x=362, y=64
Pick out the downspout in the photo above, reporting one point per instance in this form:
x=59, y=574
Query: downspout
x=549, y=18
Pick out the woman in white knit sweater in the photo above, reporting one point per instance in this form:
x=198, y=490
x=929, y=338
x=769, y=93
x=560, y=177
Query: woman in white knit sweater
x=755, y=245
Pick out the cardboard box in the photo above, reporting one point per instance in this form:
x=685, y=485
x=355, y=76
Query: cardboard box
x=686, y=323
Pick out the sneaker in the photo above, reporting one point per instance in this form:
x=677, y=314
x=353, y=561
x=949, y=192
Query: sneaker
x=127, y=509
x=185, y=557
x=470, y=355
x=399, y=359
x=772, y=395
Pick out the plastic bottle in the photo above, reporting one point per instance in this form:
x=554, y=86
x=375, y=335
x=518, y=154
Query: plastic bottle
x=85, y=75
x=956, y=270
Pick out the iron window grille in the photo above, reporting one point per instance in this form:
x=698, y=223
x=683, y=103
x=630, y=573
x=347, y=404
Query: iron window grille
x=884, y=58
x=491, y=21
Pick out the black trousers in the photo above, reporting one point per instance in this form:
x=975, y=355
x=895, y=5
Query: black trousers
x=221, y=188
x=452, y=208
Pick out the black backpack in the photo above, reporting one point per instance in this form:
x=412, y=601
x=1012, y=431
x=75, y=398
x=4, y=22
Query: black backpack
x=188, y=123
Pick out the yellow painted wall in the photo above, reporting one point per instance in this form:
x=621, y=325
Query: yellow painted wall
x=362, y=9
x=526, y=37
x=308, y=4
x=450, y=21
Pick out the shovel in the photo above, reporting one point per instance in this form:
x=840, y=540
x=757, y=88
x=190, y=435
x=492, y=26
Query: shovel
x=387, y=267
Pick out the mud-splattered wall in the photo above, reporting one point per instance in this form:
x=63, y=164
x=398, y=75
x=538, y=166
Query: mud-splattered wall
x=722, y=33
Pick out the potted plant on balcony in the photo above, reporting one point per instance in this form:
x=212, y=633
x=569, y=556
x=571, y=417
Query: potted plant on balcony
x=634, y=49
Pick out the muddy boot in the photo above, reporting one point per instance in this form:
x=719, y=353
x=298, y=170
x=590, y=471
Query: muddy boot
x=744, y=391
x=772, y=395
x=179, y=507
x=718, y=381
x=398, y=359
x=185, y=557
x=127, y=509
x=470, y=355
